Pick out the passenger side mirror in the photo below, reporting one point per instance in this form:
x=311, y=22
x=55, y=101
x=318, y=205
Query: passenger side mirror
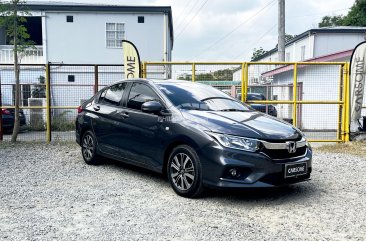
x=151, y=107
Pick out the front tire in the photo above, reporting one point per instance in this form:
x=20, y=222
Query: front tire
x=185, y=172
x=89, y=149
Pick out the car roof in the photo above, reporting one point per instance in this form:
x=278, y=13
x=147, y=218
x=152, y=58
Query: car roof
x=156, y=81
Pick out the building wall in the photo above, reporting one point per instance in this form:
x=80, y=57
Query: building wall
x=84, y=40
x=319, y=83
x=329, y=43
x=294, y=50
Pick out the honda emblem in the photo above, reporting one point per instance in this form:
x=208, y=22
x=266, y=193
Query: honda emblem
x=291, y=146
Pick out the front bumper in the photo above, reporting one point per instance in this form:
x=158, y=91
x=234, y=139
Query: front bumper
x=256, y=169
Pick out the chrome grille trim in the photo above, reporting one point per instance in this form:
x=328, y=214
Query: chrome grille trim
x=282, y=146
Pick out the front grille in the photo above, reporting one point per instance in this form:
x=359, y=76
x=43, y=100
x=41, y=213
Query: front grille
x=283, y=153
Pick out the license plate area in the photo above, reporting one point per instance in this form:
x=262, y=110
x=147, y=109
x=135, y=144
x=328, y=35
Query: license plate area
x=295, y=169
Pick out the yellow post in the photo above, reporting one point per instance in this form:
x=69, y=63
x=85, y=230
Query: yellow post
x=347, y=103
x=244, y=85
x=48, y=104
x=294, y=99
x=193, y=72
x=340, y=106
x=143, y=70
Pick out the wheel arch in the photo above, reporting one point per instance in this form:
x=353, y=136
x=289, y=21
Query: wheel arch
x=183, y=140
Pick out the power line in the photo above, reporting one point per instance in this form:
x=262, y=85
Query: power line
x=189, y=11
x=191, y=19
x=237, y=27
x=181, y=13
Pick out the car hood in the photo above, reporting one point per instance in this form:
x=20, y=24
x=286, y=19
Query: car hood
x=250, y=124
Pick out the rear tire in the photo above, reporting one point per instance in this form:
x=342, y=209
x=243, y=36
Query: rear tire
x=185, y=172
x=89, y=148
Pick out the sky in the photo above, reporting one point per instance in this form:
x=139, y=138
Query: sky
x=229, y=30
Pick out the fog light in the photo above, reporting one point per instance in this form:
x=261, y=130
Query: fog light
x=233, y=172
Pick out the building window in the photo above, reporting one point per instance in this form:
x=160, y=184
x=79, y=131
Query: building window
x=287, y=57
x=69, y=19
x=302, y=53
x=115, y=33
x=71, y=78
x=140, y=19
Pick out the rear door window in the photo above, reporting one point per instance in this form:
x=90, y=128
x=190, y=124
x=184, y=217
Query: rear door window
x=140, y=94
x=113, y=94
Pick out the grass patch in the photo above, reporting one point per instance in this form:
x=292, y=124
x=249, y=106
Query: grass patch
x=357, y=148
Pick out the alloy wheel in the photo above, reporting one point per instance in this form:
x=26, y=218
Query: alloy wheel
x=182, y=171
x=88, y=147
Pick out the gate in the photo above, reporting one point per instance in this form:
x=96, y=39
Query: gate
x=313, y=96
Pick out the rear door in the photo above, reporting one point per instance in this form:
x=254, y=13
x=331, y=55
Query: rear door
x=109, y=114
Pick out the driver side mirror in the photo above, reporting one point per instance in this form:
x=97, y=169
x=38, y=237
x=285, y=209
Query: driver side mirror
x=152, y=107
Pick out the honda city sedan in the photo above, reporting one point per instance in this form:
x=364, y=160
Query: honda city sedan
x=194, y=134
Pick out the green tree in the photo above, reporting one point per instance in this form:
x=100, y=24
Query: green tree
x=257, y=53
x=12, y=19
x=356, y=16
x=331, y=21
x=288, y=37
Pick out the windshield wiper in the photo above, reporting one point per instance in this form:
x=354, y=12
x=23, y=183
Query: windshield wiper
x=211, y=98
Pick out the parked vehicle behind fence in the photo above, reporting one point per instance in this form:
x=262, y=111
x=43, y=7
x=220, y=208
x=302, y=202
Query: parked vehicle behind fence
x=195, y=134
x=264, y=108
x=7, y=116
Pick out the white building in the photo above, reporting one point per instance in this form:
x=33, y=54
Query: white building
x=316, y=83
x=91, y=34
x=318, y=42
x=69, y=33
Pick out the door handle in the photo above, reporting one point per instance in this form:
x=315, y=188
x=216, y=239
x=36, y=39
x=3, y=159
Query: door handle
x=96, y=107
x=125, y=114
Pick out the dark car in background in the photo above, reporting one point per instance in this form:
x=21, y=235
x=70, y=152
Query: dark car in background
x=269, y=109
x=195, y=134
x=7, y=116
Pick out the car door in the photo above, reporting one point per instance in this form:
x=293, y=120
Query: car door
x=144, y=129
x=107, y=124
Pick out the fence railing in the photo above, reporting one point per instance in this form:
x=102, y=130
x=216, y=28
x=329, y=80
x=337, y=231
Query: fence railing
x=30, y=56
x=50, y=95
x=312, y=96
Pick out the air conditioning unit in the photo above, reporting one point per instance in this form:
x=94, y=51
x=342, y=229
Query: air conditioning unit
x=37, y=116
x=254, y=80
x=266, y=80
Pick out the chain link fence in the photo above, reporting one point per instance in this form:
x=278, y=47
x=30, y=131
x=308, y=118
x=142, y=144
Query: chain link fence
x=309, y=95
x=317, y=105
x=69, y=86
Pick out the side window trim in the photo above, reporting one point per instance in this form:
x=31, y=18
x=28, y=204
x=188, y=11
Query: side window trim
x=129, y=90
x=106, y=89
x=99, y=94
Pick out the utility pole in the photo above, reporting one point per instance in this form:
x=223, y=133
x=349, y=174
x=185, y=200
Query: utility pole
x=281, y=30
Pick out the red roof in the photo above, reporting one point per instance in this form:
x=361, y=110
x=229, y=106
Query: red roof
x=324, y=58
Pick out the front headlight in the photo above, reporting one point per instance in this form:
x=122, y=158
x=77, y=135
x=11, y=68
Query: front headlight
x=235, y=142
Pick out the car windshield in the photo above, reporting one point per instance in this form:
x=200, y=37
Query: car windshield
x=255, y=97
x=195, y=96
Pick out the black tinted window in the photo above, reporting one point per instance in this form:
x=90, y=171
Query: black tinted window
x=113, y=94
x=255, y=97
x=140, y=94
x=198, y=97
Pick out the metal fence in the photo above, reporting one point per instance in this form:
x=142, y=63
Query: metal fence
x=310, y=95
x=50, y=95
